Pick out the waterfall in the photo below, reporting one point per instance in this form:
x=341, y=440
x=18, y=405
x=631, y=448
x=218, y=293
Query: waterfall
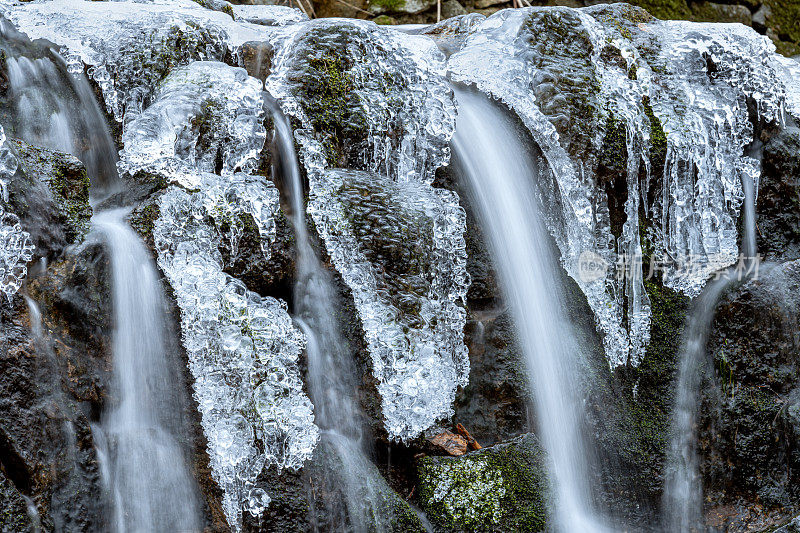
x=500, y=177
x=143, y=466
x=147, y=476
x=56, y=109
x=683, y=490
x=331, y=373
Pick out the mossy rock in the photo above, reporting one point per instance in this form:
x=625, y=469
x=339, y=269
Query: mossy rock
x=499, y=489
x=13, y=509
x=50, y=194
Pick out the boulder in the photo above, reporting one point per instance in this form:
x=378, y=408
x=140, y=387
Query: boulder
x=778, y=203
x=499, y=489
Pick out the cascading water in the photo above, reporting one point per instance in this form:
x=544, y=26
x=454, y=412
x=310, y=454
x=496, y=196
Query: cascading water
x=331, y=373
x=683, y=490
x=500, y=175
x=148, y=479
x=56, y=109
x=149, y=485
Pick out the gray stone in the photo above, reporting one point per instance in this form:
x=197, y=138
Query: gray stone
x=452, y=8
x=411, y=7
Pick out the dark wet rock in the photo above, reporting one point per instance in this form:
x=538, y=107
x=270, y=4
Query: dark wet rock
x=750, y=430
x=778, y=203
x=13, y=509
x=50, y=194
x=256, y=58
x=499, y=489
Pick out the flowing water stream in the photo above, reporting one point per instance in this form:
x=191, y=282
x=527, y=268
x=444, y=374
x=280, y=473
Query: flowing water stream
x=143, y=465
x=500, y=176
x=146, y=472
x=683, y=490
x=331, y=373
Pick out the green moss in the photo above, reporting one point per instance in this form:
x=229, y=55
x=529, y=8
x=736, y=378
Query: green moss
x=384, y=20
x=665, y=9
x=388, y=5
x=70, y=187
x=329, y=96
x=143, y=220
x=500, y=489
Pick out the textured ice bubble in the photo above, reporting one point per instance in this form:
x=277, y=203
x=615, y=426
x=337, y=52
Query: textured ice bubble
x=130, y=46
x=16, y=247
x=677, y=87
x=376, y=101
x=203, y=113
x=242, y=351
x=242, y=348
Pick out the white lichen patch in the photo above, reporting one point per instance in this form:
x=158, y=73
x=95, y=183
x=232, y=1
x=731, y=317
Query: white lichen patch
x=470, y=490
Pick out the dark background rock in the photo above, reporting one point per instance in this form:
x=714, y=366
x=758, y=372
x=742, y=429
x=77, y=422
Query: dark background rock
x=778, y=203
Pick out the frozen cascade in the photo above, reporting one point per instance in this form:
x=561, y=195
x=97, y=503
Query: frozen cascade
x=397, y=241
x=332, y=379
x=242, y=348
x=500, y=176
x=56, y=109
x=687, y=82
x=16, y=247
x=130, y=46
x=148, y=476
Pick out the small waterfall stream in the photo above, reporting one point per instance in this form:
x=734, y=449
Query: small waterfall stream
x=500, y=177
x=683, y=490
x=147, y=477
x=331, y=373
x=149, y=485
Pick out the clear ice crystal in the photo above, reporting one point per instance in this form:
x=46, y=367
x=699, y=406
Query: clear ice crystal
x=242, y=348
x=397, y=241
x=129, y=47
x=269, y=15
x=16, y=247
x=242, y=351
x=203, y=111
x=618, y=65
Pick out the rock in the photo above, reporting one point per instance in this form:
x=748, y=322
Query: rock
x=256, y=58
x=749, y=439
x=447, y=442
x=452, y=8
x=760, y=18
x=501, y=489
x=13, y=509
x=778, y=203
x=483, y=4
x=711, y=12
x=400, y=6
x=50, y=194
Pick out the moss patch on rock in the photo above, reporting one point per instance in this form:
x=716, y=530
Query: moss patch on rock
x=501, y=489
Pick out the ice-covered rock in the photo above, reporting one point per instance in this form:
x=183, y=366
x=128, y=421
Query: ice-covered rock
x=204, y=113
x=674, y=97
x=130, y=46
x=269, y=15
x=373, y=100
x=242, y=348
x=16, y=247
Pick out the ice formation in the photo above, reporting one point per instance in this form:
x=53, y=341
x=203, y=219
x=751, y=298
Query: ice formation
x=617, y=67
x=397, y=241
x=269, y=15
x=130, y=46
x=16, y=248
x=471, y=491
x=242, y=348
x=203, y=113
